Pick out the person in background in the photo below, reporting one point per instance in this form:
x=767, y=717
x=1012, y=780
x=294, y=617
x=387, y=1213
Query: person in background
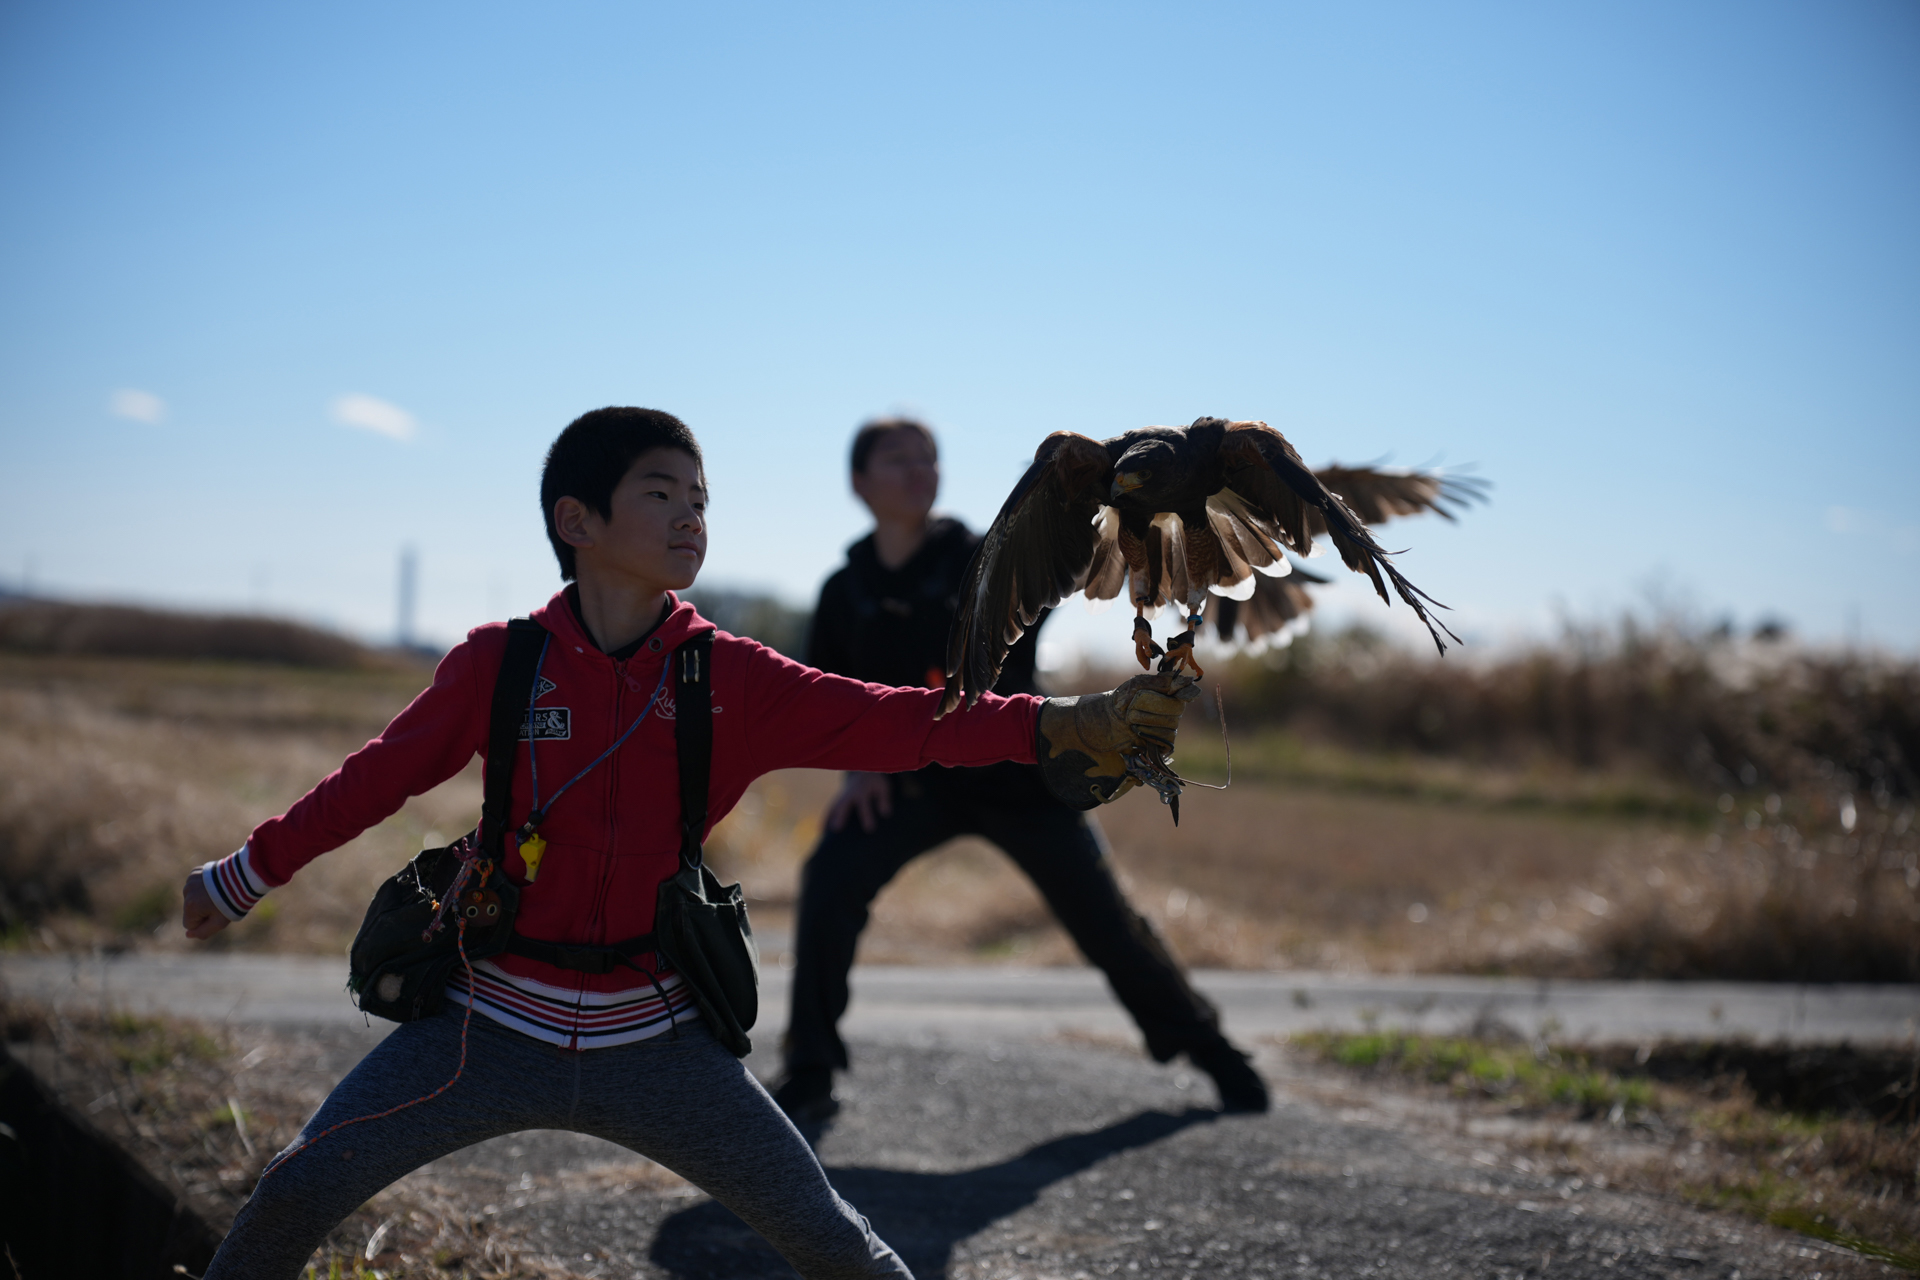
x=884, y=618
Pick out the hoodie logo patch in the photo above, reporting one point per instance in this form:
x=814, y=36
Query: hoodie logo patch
x=549, y=722
x=664, y=707
x=544, y=688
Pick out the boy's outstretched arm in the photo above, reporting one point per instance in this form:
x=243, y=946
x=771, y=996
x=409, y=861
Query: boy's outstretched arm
x=198, y=915
x=427, y=743
x=805, y=718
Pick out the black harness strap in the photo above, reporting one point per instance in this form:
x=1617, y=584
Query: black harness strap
x=693, y=739
x=511, y=690
x=582, y=959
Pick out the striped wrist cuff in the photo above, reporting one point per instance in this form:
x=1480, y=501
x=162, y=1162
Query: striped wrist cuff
x=232, y=883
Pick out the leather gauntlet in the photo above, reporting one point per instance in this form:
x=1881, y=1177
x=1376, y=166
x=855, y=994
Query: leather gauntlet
x=1081, y=742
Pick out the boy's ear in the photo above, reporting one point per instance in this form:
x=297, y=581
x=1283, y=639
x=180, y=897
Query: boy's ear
x=574, y=523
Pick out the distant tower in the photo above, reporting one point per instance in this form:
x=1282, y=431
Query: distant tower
x=409, y=579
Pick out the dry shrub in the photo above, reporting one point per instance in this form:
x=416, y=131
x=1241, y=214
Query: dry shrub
x=1681, y=701
x=1797, y=929
x=1766, y=903
x=121, y=631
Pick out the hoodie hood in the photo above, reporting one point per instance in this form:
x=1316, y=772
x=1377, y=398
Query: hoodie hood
x=681, y=622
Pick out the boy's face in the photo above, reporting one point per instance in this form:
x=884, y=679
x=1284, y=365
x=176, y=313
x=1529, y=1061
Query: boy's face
x=902, y=477
x=656, y=538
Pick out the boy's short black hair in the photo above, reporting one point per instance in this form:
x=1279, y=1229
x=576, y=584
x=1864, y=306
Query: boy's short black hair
x=591, y=456
x=871, y=433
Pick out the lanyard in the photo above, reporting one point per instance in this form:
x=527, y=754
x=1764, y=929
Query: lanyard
x=537, y=814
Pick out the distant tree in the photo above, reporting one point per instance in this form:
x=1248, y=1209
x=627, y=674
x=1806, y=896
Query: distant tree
x=107, y=630
x=756, y=615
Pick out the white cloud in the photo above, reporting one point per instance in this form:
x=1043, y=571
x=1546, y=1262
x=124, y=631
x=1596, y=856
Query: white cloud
x=370, y=413
x=141, y=406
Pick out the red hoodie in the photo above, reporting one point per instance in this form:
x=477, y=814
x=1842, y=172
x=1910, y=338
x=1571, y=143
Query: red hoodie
x=614, y=836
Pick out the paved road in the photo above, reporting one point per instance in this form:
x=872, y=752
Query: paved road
x=892, y=1003
x=984, y=1145
x=1037, y=1161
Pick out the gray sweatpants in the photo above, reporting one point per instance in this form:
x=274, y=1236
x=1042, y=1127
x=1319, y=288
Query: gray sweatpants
x=679, y=1100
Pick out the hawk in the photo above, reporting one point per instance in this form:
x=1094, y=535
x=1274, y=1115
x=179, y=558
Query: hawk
x=1175, y=514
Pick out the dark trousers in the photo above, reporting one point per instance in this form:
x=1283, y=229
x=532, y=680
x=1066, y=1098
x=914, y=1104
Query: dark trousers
x=1061, y=852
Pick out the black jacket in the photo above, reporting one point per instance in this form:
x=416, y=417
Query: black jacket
x=889, y=626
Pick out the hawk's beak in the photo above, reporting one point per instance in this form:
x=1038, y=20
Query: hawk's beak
x=1126, y=482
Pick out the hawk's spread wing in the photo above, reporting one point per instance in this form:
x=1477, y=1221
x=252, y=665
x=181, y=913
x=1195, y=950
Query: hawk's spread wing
x=1377, y=494
x=1261, y=469
x=1273, y=605
x=1038, y=551
x=1267, y=611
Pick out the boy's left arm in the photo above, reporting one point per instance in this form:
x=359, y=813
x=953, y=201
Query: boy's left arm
x=802, y=718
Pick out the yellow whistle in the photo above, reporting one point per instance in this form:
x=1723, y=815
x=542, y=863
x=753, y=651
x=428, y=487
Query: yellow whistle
x=532, y=849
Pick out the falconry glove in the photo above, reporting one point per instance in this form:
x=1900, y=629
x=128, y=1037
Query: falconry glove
x=1082, y=742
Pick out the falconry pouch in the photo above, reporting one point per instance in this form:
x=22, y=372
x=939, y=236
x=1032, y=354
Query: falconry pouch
x=399, y=963
x=700, y=926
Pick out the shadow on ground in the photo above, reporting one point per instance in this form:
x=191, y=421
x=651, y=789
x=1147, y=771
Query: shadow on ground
x=922, y=1215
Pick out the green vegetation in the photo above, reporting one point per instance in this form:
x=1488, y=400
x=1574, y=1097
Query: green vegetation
x=1523, y=1075
x=1850, y=1176
x=1821, y=1227
x=1275, y=754
x=146, y=1045
x=147, y=909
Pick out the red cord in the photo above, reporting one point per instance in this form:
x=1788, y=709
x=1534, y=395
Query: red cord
x=460, y=941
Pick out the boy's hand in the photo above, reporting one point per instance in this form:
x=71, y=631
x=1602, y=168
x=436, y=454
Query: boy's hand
x=868, y=794
x=197, y=913
x=1083, y=741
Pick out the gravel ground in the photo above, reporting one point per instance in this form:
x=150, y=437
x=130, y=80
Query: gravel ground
x=1051, y=1160
x=1082, y=1159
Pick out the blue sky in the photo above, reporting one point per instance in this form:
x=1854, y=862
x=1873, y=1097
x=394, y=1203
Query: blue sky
x=283, y=290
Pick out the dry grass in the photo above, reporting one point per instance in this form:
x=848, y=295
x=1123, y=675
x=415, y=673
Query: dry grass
x=204, y=1113
x=57, y=627
x=116, y=777
x=1849, y=1174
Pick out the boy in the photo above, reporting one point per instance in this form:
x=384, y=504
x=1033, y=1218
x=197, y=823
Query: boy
x=624, y=498
x=885, y=618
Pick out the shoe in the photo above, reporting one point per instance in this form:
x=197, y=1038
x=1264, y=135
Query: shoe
x=806, y=1095
x=1241, y=1088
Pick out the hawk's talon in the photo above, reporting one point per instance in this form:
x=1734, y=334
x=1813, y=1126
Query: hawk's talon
x=1144, y=647
x=1180, y=653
